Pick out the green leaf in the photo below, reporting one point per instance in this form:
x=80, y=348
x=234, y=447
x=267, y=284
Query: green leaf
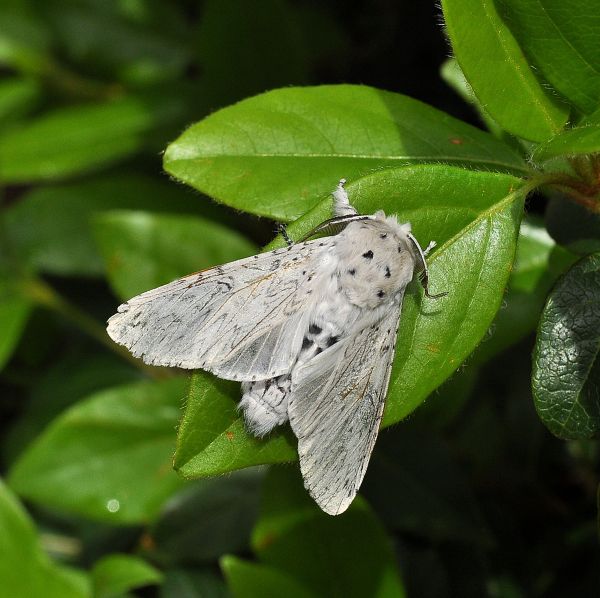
x=475, y=217
x=25, y=570
x=566, y=361
x=50, y=229
x=14, y=313
x=581, y=140
x=143, y=250
x=277, y=153
x=115, y=574
x=452, y=74
x=24, y=37
x=296, y=537
x=17, y=97
x=498, y=73
x=538, y=264
x=112, y=451
x=250, y=580
x=208, y=519
x=63, y=384
x=140, y=45
x=561, y=41
x=76, y=139
x=212, y=438
x=193, y=583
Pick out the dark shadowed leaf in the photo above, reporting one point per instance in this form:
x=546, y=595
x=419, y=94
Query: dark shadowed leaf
x=572, y=225
x=193, y=583
x=296, y=537
x=251, y=580
x=208, y=518
x=566, y=361
x=416, y=486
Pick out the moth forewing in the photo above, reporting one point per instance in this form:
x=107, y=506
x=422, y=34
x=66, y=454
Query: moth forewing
x=211, y=319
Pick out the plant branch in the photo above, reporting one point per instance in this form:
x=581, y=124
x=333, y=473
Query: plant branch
x=43, y=294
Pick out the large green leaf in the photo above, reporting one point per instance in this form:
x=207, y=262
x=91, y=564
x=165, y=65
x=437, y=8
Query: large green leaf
x=144, y=250
x=25, y=570
x=566, y=361
x=112, y=451
x=561, y=41
x=475, y=217
x=294, y=536
x=498, y=73
x=115, y=574
x=50, y=228
x=276, y=154
x=76, y=139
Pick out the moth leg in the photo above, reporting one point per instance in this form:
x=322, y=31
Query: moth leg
x=429, y=247
x=282, y=230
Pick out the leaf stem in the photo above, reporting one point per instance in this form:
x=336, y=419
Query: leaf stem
x=577, y=190
x=45, y=295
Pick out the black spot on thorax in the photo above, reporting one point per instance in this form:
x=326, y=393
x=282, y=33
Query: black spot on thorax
x=368, y=255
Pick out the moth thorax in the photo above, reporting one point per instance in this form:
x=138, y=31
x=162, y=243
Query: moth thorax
x=374, y=263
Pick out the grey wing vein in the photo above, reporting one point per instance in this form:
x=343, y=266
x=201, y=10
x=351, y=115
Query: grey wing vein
x=335, y=409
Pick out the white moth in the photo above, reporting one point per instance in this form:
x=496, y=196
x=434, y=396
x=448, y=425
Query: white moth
x=309, y=330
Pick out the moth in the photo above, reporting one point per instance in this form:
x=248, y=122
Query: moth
x=309, y=330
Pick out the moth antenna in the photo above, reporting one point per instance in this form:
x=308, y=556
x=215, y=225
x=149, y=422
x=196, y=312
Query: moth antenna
x=333, y=226
x=422, y=267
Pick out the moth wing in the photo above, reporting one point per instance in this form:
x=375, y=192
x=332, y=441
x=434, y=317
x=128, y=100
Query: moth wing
x=244, y=320
x=335, y=409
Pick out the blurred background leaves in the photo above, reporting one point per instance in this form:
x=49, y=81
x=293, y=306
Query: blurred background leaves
x=468, y=496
